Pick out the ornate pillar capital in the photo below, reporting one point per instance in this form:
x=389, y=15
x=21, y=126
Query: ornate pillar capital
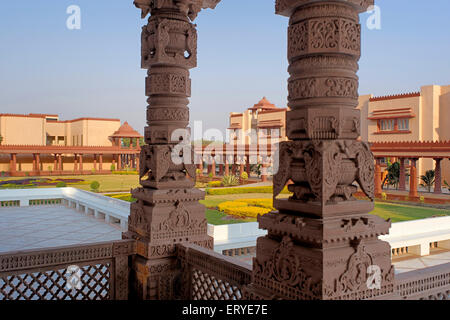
x=190, y=8
x=288, y=7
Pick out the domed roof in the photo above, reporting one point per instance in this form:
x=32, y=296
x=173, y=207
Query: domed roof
x=264, y=104
x=126, y=131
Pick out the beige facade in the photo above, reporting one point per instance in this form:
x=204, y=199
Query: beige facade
x=416, y=117
x=41, y=143
x=46, y=130
x=262, y=122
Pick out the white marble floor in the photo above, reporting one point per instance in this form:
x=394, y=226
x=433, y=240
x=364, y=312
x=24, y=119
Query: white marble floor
x=416, y=262
x=23, y=228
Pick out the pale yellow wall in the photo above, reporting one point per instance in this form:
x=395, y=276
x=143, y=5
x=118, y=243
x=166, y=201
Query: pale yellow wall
x=97, y=132
x=430, y=113
x=22, y=130
x=432, y=121
x=363, y=106
x=414, y=123
x=34, y=131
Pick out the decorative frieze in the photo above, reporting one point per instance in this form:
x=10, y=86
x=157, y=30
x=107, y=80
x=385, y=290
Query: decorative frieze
x=325, y=35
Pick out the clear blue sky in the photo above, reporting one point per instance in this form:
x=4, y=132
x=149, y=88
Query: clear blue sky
x=95, y=71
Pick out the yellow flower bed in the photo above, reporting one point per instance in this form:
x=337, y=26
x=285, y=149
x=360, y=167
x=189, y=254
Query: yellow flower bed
x=247, y=207
x=214, y=184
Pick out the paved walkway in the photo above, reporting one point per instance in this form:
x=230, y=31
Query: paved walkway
x=25, y=228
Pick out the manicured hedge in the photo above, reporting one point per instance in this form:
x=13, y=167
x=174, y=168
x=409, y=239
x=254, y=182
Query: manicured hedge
x=125, y=173
x=247, y=207
x=267, y=189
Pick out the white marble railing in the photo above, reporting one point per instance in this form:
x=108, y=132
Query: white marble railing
x=110, y=209
x=415, y=235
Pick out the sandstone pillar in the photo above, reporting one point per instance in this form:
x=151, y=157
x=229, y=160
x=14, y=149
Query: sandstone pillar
x=13, y=164
x=438, y=177
x=378, y=178
x=322, y=243
x=95, y=162
x=227, y=166
x=80, y=164
x=38, y=162
x=167, y=211
x=402, y=182
x=55, y=163
x=248, y=167
x=75, y=162
x=100, y=162
x=413, y=179
x=264, y=172
x=213, y=166
x=60, y=166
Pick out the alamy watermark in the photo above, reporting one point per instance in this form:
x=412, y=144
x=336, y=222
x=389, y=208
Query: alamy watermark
x=374, y=20
x=73, y=278
x=73, y=22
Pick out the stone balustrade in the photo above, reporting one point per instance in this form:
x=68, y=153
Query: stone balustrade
x=101, y=207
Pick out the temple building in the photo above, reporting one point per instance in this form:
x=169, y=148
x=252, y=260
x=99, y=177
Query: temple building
x=264, y=119
x=42, y=144
x=410, y=128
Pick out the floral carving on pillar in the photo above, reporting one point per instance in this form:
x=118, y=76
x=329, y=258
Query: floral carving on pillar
x=167, y=211
x=322, y=240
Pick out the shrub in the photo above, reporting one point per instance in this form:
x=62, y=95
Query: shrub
x=49, y=168
x=95, y=185
x=61, y=184
x=244, y=175
x=198, y=171
x=210, y=175
x=126, y=173
x=214, y=184
x=113, y=167
x=246, y=207
x=422, y=199
x=384, y=196
x=230, y=181
x=267, y=189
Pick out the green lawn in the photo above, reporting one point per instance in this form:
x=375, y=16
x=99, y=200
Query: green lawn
x=396, y=212
x=108, y=183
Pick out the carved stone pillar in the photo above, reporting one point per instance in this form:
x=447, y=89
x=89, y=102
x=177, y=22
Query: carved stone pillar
x=167, y=211
x=248, y=167
x=80, y=157
x=402, y=182
x=322, y=243
x=378, y=178
x=13, y=164
x=227, y=165
x=75, y=162
x=213, y=166
x=38, y=162
x=60, y=167
x=438, y=177
x=413, y=179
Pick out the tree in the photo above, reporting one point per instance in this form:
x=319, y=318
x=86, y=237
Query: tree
x=393, y=174
x=428, y=180
x=447, y=185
